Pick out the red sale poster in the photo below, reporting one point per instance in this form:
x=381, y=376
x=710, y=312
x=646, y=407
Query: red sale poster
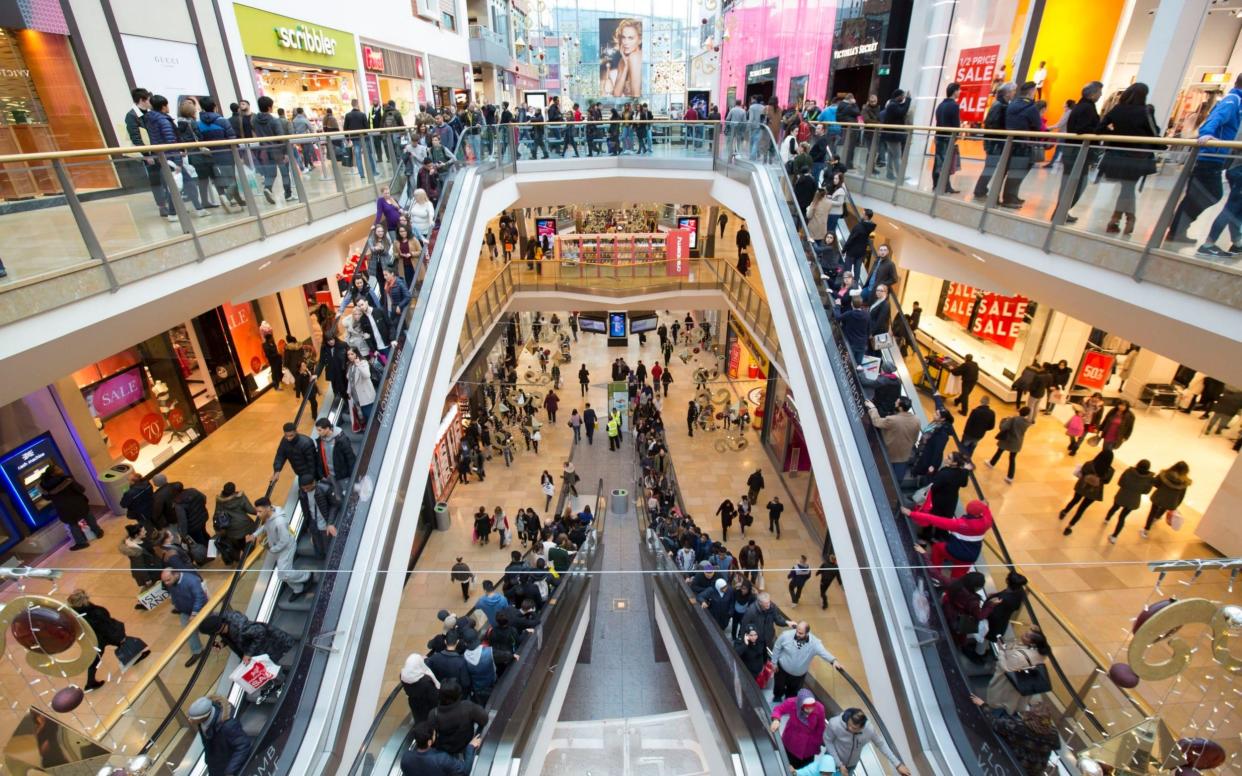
x=975, y=69
x=959, y=302
x=1095, y=369
x=999, y=318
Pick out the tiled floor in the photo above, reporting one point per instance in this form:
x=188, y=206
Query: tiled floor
x=240, y=451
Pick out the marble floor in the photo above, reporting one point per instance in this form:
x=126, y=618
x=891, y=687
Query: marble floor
x=240, y=451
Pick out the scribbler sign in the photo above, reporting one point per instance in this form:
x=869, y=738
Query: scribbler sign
x=1094, y=371
x=975, y=69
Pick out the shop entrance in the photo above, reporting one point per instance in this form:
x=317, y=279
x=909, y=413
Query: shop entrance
x=763, y=90
x=853, y=80
x=313, y=89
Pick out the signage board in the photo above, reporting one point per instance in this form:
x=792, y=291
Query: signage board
x=976, y=68
x=1095, y=369
x=690, y=224
x=373, y=59
x=677, y=252
x=117, y=393
x=270, y=35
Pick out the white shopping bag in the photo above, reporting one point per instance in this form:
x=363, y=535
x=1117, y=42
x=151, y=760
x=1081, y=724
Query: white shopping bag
x=153, y=596
x=255, y=674
x=212, y=550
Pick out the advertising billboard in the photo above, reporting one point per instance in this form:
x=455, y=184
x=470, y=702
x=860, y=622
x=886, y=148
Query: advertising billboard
x=975, y=70
x=620, y=58
x=691, y=225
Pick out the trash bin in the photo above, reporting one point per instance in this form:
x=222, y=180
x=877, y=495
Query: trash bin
x=113, y=483
x=619, y=504
x=442, y=516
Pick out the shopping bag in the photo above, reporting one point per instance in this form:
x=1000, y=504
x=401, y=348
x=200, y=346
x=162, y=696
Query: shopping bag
x=765, y=674
x=129, y=651
x=286, y=376
x=254, y=675
x=152, y=596
x=1174, y=519
x=212, y=550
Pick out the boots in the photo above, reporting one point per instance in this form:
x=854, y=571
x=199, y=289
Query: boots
x=1129, y=227
x=1114, y=223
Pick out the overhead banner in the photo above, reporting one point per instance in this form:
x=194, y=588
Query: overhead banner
x=1094, y=370
x=975, y=69
x=620, y=57
x=986, y=315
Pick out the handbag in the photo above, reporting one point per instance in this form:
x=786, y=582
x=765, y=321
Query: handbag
x=1032, y=680
x=129, y=651
x=1094, y=441
x=355, y=416
x=765, y=674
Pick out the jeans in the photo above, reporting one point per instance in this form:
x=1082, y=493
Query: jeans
x=1231, y=215
x=893, y=148
x=577, y=433
x=1012, y=456
x=1203, y=191
x=756, y=135
x=795, y=587
x=196, y=644
x=359, y=153
x=268, y=171
x=1219, y=422
x=158, y=190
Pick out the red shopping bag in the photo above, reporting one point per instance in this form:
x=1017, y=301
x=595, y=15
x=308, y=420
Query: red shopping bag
x=766, y=674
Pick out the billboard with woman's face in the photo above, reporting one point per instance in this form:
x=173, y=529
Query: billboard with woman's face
x=620, y=58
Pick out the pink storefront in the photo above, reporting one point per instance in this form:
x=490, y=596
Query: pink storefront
x=777, y=47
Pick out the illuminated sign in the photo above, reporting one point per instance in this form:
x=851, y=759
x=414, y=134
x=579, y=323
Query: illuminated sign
x=303, y=38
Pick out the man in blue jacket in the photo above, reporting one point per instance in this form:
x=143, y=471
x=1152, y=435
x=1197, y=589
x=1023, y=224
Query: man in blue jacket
x=425, y=760
x=1205, y=187
x=1021, y=114
x=856, y=326
x=225, y=743
x=948, y=114
x=188, y=595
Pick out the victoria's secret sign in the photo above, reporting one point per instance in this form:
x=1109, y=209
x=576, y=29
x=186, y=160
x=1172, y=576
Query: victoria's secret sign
x=986, y=315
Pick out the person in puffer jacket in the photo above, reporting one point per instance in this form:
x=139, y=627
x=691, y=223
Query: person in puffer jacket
x=965, y=540
x=247, y=639
x=846, y=736
x=226, y=746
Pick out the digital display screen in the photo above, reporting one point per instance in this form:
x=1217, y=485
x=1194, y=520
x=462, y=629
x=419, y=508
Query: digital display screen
x=595, y=325
x=691, y=224
x=643, y=322
x=545, y=226
x=616, y=324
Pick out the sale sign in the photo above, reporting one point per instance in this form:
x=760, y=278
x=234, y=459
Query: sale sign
x=130, y=449
x=677, y=252
x=116, y=393
x=959, y=303
x=975, y=69
x=152, y=428
x=1000, y=318
x=176, y=418
x=1095, y=369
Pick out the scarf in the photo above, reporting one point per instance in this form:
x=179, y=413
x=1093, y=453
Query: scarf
x=415, y=668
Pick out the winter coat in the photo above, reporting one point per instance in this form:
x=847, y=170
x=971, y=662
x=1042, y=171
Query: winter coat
x=138, y=501
x=111, y=632
x=1170, y=490
x=300, y=453
x=960, y=603
x=267, y=125
x=1021, y=114
x=753, y=656
x=1132, y=486
x=239, y=511
x=900, y=431
x=456, y=724
x=190, y=507
x=1012, y=432
x=361, y=389
x=423, y=696
x=982, y=420
x=67, y=496
x=250, y=639
x=144, y=566
x=1128, y=163
x=481, y=664
x=802, y=739
x=446, y=665
x=1091, y=483
x=931, y=449
x=946, y=484
x=848, y=747
x=720, y=607
x=1001, y=691
x=225, y=743
x=212, y=126
x=1125, y=428
x=763, y=621
x=965, y=533
x=187, y=593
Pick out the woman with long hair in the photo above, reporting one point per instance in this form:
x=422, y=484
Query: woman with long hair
x=1127, y=164
x=1027, y=652
x=624, y=74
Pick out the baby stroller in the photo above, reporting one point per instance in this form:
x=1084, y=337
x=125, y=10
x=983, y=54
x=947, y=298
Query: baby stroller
x=565, y=356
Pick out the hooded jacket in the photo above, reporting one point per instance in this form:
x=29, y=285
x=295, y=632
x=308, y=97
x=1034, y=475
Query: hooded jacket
x=250, y=639
x=1132, y=486
x=225, y=743
x=268, y=125
x=719, y=603
x=447, y=664
x=1170, y=490
x=965, y=533
x=421, y=687
x=456, y=723
x=803, y=735
x=138, y=501
x=190, y=507
x=239, y=510
x=847, y=747
x=482, y=667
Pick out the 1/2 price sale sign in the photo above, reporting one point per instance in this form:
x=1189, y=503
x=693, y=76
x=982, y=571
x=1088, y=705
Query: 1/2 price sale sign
x=975, y=69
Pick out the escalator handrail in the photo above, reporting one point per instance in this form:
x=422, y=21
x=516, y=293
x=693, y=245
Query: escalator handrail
x=882, y=483
x=398, y=353
x=1001, y=549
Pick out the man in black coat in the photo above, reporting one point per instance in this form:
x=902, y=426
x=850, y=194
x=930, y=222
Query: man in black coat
x=356, y=119
x=334, y=355
x=968, y=370
x=993, y=144
x=982, y=420
x=299, y=450
x=858, y=241
x=446, y=663
x=138, y=500
x=190, y=507
x=1022, y=115
x=948, y=114
x=1083, y=119
x=226, y=747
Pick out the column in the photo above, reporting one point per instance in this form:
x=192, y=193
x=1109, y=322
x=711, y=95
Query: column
x=1169, y=48
x=1147, y=367
x=924, y=64
x=1220, y=526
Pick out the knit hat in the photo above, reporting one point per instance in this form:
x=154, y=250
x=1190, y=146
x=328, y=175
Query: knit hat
x=976, y=508
x=201, y=708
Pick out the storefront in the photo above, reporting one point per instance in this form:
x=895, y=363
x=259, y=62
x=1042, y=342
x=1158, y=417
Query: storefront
x=451, y=81
x=744, y=359
x=395, y=76
x=44, y=107
x=298, y=64
x=759, y=36
x=868, y=49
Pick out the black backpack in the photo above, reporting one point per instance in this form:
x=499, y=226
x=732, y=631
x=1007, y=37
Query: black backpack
x=220, y=520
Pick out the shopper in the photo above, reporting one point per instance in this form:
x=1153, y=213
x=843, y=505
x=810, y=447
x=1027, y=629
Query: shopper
x=457, y=721
x=1082, y=119
x=232, y=523
x=804, y=731
x=1009, y=440
x=1205, y=187
x=1128, y=163
x=569, y=478
x=792, y=655
x=246, y=638
x=1136, y=482
x=717, y=599
x=828, y=572
x=69, y=500
x=163, y=131
x=847, y=734
x=1117, y=426
x=900, y=431
x=361, y=389
x=1170, y=490
x=798, y=576
x=1012, y=599
x=964, y=542
x=948, y=114
x=775, y=508
x=298, y=450
x=968, y=371
x=283, y=546
x=1075, y=429
x=965, y=610
x=109, y=632
x=226, y=746
x=1029, y=651
x=982, y=419
x=188, y=595
x=271, y=156
x=1092, y=477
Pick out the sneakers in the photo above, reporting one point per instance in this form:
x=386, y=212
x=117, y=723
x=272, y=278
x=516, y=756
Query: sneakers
x=1143, y=533
x=1214, y=252
x=269, y=196
x=1009, y=480
x=1067, y=532
x=1112, y=539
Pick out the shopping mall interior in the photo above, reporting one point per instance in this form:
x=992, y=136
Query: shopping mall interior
x=692, y=433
